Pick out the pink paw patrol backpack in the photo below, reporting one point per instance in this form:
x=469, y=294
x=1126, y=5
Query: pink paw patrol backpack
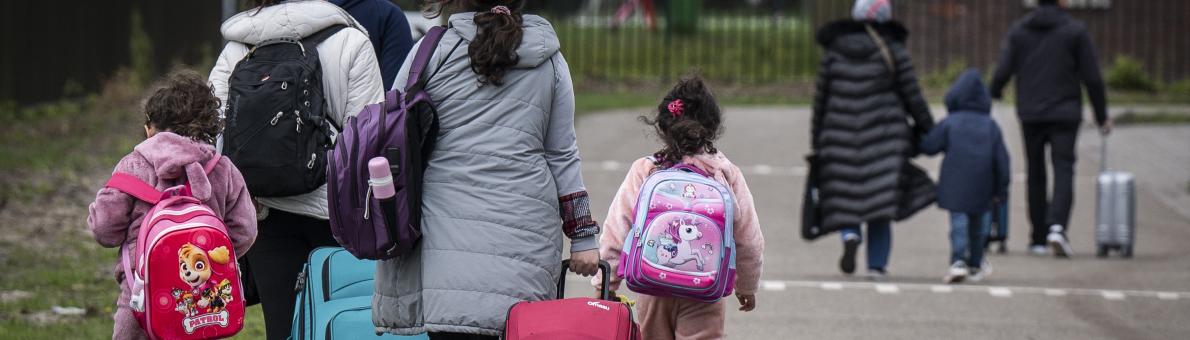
x=182, y=273
x=681, y=242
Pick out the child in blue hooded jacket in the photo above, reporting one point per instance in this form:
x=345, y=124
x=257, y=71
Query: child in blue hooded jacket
x=975, y=173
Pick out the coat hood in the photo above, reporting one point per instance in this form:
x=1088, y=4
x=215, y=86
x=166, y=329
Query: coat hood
x=173, y=157
x=539, y=42
x=1046, y=17
x=717, y=165
x=289, y=19
x=968, y=94
x=851, y=38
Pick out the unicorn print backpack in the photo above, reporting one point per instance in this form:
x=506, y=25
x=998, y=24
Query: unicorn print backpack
x=681, y=243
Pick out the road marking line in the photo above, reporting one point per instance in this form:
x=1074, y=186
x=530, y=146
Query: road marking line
x=1000, y=292
x=996, y=291
x=831, y=286
x=1112, y=295
x=773, y=285
x=1055, y=292
x=885, y=288
x=941, y=289
x=610, y=165
x=768, y=170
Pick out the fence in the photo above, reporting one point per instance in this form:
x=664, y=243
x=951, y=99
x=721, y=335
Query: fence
x=772, y=41
x=75, y=44
x=725, y=41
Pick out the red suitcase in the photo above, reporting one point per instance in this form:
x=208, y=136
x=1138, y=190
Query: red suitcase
x=577, y=318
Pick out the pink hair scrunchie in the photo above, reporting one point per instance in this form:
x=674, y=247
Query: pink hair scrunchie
x=501, y=10
x=676, y=107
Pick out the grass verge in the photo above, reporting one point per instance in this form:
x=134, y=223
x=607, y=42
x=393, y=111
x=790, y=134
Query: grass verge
x=1158, y=118
x=55, y=157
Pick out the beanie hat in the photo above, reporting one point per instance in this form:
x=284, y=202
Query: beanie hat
x=872, y=10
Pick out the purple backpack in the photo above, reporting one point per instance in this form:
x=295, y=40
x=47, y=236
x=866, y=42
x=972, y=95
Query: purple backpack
x=681, y=243
x=402, y=129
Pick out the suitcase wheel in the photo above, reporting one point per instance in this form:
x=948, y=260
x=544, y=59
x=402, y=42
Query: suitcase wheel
x=1102, y=252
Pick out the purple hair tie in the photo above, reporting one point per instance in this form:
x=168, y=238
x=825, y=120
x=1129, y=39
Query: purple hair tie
x=501, y=10
x=676, y=107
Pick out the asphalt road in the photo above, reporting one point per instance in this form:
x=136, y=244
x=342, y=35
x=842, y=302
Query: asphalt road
x=804, y=296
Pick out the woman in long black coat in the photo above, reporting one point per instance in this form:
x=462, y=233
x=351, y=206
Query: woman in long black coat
x=869, y=115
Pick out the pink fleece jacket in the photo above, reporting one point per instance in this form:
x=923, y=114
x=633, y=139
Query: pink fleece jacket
x=163, y=161
x=748, y=238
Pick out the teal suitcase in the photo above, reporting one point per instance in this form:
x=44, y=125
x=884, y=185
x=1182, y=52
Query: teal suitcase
x=335, y=298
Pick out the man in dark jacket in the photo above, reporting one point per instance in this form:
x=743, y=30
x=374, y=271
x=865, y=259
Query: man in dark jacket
x=387, y=28
x=867, y=92
x=975, y=172
x=1052, y=57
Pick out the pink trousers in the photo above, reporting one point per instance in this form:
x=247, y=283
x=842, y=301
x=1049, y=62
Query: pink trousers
x=680, y=319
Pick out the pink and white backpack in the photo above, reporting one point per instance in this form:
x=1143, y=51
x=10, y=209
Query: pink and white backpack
x=681, y=242
x=183, y=275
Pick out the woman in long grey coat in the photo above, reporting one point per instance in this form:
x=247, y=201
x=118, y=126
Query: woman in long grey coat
x=866, y=91
x=503, y=183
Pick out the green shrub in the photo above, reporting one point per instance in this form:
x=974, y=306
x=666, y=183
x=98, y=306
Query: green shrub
x=140, y=50
x=1127, y=74
x=941, y=79
x=1179, y=88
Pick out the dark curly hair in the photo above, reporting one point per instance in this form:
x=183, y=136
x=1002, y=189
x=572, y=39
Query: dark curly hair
x=692, y=132
x=493, y=51
x=184, y=104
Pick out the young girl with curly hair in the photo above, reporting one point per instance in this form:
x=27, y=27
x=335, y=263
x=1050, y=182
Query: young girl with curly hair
x=688, y=121
x=181, y=122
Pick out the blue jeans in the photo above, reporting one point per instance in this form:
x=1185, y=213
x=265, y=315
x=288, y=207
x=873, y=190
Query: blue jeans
x=1000, y=215
x=879, y=242
x=967, y=235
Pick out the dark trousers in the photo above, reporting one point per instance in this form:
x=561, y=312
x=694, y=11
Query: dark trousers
x=1046, y=209
x=460, y=336
x=283, y=243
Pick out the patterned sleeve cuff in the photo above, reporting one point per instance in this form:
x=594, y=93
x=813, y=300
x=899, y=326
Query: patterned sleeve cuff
x=576, y=216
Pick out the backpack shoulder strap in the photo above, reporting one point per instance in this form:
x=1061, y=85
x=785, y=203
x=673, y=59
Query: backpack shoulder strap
x=429, y=44
x=318, y=37
x=135, y=187
x=212, y=163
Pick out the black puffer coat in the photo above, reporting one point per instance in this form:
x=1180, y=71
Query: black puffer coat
x=867, y=122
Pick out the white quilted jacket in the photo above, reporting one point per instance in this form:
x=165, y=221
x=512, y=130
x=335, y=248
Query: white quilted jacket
x=350, y=75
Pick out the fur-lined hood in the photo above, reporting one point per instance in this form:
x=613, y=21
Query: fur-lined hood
x=892, y=30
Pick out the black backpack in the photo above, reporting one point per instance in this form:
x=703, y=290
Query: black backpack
x=276, y=128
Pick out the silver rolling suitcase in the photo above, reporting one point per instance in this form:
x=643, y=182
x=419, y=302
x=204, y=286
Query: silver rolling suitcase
x=1115, y=212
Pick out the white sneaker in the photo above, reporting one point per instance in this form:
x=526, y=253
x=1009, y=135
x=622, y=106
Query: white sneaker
x=1039, y=250
x=958, y=272
x=877, y=275
x=1058, y=242
x=982, y=273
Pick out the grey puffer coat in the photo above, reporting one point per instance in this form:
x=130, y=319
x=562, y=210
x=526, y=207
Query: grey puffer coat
x=492, y=230
x=861, y=130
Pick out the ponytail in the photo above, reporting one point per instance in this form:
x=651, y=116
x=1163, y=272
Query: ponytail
x=688, y=121
x=499, y=33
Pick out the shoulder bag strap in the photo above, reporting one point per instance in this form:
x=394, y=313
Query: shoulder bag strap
x=888, y=59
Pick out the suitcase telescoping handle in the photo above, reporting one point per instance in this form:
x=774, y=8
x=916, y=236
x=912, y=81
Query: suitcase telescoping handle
x=1102, y=153
x=604, y=268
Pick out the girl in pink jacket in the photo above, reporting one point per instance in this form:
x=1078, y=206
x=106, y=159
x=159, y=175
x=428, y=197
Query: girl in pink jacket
x=688, y=122
x=181, y=122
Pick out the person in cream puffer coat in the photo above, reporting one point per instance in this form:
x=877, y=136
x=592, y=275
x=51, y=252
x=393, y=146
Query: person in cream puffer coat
x=292, y=226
